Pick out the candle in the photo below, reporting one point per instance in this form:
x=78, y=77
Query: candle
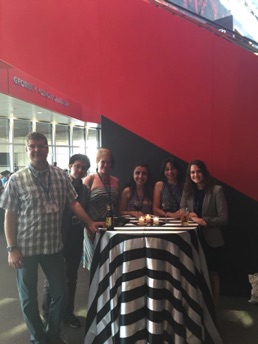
x=141, y=220
x=148, y=218
x=155, y=220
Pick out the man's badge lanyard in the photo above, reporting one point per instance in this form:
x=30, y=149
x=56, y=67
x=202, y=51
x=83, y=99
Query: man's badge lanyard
x=50, y=206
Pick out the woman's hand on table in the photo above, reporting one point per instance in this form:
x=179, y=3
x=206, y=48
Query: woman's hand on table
x=199, y=220
x=135, y=213
x=192, y=215
x=175, y=215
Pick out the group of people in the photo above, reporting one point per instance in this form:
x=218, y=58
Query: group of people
x=51, y=219
x=198, y=192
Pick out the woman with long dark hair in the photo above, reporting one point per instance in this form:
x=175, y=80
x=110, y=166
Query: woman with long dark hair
x=168, y=190
x=208, y=207
x=136, y=198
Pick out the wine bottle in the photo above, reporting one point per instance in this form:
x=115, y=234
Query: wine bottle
x=109, y=218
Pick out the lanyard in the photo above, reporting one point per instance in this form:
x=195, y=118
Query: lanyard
x=107, y=187
x=45, y=188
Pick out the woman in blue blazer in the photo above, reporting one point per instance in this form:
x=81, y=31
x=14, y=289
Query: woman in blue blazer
x=208, y=207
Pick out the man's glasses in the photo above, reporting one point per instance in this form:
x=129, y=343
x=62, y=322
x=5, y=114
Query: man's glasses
x=33, y=147
x=77, y=166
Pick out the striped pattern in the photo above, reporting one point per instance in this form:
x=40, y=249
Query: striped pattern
x=150, y=288
x=99, y=199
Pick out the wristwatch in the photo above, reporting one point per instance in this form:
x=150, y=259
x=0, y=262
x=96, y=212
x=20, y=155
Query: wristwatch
x=11, y=248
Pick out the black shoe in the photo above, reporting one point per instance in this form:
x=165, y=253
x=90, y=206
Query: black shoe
x=72, y=321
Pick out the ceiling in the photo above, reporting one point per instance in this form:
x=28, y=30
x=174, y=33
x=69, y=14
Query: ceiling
x=255, y=5
x=14, y=108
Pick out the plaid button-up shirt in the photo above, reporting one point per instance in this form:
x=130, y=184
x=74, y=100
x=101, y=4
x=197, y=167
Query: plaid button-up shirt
x=28, y=193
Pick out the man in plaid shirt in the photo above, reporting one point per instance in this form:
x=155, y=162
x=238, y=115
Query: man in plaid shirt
x=34, y=200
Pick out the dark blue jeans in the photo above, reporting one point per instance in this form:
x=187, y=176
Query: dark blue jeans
x=53, y=268
x=73, y=247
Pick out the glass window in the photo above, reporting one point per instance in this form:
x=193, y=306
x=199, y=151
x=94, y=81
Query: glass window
x=78, y=137
x=92, y=137
x=91, y=154
x=4, y=157
x=20, y=130
x=62, y=157
x=20, y=156
x=4, y=137
x=78, y=150
x=12, y=142
x=92, y=146
x=50, y=157
x=45, y=129
x=62, y=135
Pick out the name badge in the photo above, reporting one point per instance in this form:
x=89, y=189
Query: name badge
x=51, y=208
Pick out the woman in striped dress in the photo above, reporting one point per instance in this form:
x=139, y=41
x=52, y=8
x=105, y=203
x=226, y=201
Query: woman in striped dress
x=104, y=190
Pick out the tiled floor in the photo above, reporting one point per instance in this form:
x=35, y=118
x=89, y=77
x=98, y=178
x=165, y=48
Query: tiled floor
x=237, y=319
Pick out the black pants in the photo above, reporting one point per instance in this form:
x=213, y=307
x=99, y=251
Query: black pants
x=73, y=247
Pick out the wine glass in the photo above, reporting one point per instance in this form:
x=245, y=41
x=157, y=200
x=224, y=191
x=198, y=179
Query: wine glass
x=165, y=205
x=137, y=206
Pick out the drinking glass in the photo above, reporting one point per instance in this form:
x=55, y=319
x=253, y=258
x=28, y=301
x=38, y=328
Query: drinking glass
x=184, y=216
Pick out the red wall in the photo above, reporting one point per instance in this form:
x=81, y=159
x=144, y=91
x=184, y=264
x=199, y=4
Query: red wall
x=168, y=80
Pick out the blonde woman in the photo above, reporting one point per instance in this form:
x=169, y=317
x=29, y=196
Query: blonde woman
x=104, y=190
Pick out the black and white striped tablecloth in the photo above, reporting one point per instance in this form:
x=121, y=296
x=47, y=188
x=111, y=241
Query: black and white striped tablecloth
x=150, y=287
